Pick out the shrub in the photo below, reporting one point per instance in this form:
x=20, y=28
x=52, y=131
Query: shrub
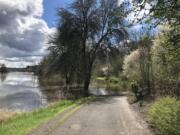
x=164, y=115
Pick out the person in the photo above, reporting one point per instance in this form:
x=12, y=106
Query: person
x=138, y=92
x=140, y=95
x=134, y=88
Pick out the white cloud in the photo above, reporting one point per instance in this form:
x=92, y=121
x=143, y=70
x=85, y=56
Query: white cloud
x=23, y=33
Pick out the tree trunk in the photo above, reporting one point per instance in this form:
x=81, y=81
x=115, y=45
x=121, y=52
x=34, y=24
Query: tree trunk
x=86, y=86
x=87, y=77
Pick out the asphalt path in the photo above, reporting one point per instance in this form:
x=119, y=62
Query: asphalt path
x=106, y=115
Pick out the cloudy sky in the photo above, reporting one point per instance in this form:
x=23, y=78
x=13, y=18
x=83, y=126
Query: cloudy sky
x=24, y=26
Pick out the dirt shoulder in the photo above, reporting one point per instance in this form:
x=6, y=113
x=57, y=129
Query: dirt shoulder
x=142, y=112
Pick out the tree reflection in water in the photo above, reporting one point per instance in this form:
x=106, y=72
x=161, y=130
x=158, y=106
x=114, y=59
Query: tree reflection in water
x=3, y=77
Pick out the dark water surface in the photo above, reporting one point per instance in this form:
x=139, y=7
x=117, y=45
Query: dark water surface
x=21, y=91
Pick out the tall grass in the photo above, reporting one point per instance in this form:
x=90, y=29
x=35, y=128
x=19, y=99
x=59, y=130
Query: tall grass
x=5, y=115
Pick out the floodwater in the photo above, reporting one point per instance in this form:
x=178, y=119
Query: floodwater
x=21, y=91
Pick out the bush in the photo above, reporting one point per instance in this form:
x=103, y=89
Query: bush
x=164, y=115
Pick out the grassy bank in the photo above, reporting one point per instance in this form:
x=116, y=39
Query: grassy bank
x=23, y=123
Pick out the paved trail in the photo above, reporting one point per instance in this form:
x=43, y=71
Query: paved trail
x=104, y=116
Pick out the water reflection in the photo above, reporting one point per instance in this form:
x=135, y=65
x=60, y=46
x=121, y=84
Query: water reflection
x=3, y=76
x=22, y=92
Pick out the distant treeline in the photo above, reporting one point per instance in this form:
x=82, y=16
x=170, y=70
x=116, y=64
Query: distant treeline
x=26, y=69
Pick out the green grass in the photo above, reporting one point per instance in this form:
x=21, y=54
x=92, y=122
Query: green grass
x=114, y=79
x=112, y=83
x=24, y=123
x=110, y=79
x=100, y=78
